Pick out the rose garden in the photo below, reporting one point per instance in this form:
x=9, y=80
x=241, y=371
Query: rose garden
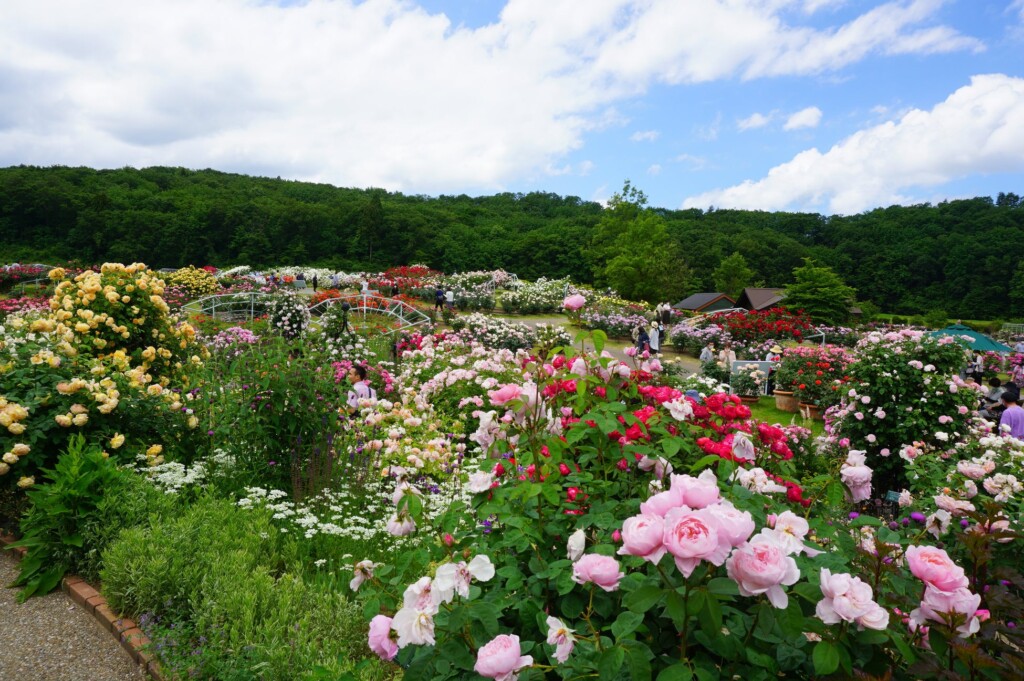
x=524, y=495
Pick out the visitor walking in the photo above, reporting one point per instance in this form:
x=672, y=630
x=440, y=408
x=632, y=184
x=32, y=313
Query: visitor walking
x=439, y=299
x=643, y=341
x=361, y=389
x=1012, y=420
x=726, y=358
x=707, y=353
x=654, y=338
x=314, y=282
x=449, y=299
x=774, y=356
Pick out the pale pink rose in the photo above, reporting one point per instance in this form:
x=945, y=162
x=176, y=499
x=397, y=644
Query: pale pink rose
x=380, y=640
x=847, y=598
x=505, y=394
x=934, y=567
x=906, y=499
x=762, y=567
x=742, y=447
x=561, y=637
x=788, y=532
x=420, y=595
x=660, y=466
x=579, y=367
x=479, y=481
x=955, y=506
x=938, y=606
x=962, y=409
x=871, y=438
x=414, y=627
x=693, y=536
x=937, y=523
x=662, y=502
x=574, y=302
x=597, y=569
x=454, y=578
x=642, y=536
x=734, y=524
x=971, y=470
x=501, y=658
x=401, y=525
x=876, y=618
x=696, y=492
x=362, y=571
x=630, y=352
x=575, y=546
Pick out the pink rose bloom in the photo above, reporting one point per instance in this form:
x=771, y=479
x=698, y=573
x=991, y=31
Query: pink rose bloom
x=954, y=506
x=380, y=638
x=642, y=536
x=962, y=409
x=504, y=394
x=849, y=599
x=579, y=367
x=561, y=637
x=401, y=525
x=662, y=502
x=742, y=447
x=934, y=567
x=973, y=471
x=735, y=525
x=762, y=567
x=597, y=569
x=501, y=658
x=788, y=531
x=939, y=606
x=696, y=492
x=574, y=302
x=630, y=352
x=693, y=536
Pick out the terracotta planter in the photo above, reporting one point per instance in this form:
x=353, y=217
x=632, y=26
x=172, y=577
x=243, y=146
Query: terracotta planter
x=750, y=399
x=811, y=411
x=784, y=401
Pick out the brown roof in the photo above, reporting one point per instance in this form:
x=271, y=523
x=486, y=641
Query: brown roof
x=699, y=301
x=760, y=298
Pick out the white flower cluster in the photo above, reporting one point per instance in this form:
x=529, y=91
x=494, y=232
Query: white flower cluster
x=494, y=332
x=289, y=315
x=543, y=295
x=172, y=477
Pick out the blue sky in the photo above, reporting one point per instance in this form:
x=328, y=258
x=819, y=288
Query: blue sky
x=834, y=106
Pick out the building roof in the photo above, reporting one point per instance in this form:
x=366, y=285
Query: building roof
x=760, y=298
x=699, y=301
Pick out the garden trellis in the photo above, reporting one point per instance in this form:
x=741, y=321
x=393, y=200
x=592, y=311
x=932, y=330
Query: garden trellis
x=408, y=317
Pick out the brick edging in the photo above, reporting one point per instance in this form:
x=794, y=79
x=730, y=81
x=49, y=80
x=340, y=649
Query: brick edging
x=126, y=631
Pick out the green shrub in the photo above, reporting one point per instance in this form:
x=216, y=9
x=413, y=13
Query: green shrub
x=221, y=588
x=75, y=516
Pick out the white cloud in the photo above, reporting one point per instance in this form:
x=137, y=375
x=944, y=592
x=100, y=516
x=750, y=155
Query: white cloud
x=381, y=92
x=977, y=129
x=694, y=162
x=805, y=118
x=645, y=135
x=654, y=169
x=584, y=168
x=754, y=120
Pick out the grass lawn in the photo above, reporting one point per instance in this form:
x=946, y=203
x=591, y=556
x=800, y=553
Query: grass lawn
x=765, y=411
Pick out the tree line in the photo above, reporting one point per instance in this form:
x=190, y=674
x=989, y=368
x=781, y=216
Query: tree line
x=962, y=257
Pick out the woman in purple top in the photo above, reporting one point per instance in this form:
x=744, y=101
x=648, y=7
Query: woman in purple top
x=1013, y=415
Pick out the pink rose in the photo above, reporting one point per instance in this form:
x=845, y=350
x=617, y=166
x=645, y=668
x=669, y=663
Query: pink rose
x=597, y=569
x=693, y=536
x=696, y=492
x=847, y=598
x=942, y=606
x=574, y=302
x=735, y=525
x=934, y=567
x=662, y=503
x=642, y=536
x=504, y=394
x=380, y=638
x=973, y=471
x=501, y=658
x=762, y=567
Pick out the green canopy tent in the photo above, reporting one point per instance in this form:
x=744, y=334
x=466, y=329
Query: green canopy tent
x=981, y=341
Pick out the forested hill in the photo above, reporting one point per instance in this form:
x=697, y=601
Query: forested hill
x=959, y=256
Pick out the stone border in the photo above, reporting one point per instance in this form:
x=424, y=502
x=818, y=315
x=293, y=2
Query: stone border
x=123, y=629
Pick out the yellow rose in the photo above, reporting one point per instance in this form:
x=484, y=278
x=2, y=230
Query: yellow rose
x=154, y=450
x=116, y=441
x=16, y=428
x=62, y=420
x=10, y=458
x=4, y=468
x=80, y=420
x=21, y=449
x=155, y=389
x=57, y=273
x=193, y=422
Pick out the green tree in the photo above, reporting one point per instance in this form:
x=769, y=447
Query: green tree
x=1017, y=291
x=732, y=275
x=819, y=292
x=647, y=264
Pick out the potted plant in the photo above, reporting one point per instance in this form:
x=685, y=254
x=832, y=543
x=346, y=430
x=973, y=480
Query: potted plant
x=748, y=382
x=785, y=378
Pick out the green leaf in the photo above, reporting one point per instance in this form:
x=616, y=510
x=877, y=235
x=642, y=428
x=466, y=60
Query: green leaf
x=600, y=338
x=637, y=655
x=371, y=608
x=626, y=623
x=611, y=662
x=678, y=672
x=675, y=609
x=644, y=598
x=825, y=657
x=723, y=586
x=861, y=521
x=760, y=659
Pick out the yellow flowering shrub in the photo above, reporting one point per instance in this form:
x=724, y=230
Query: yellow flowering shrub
x=197, y=282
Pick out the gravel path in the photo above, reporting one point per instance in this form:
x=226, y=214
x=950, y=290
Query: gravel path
x=49, y=638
